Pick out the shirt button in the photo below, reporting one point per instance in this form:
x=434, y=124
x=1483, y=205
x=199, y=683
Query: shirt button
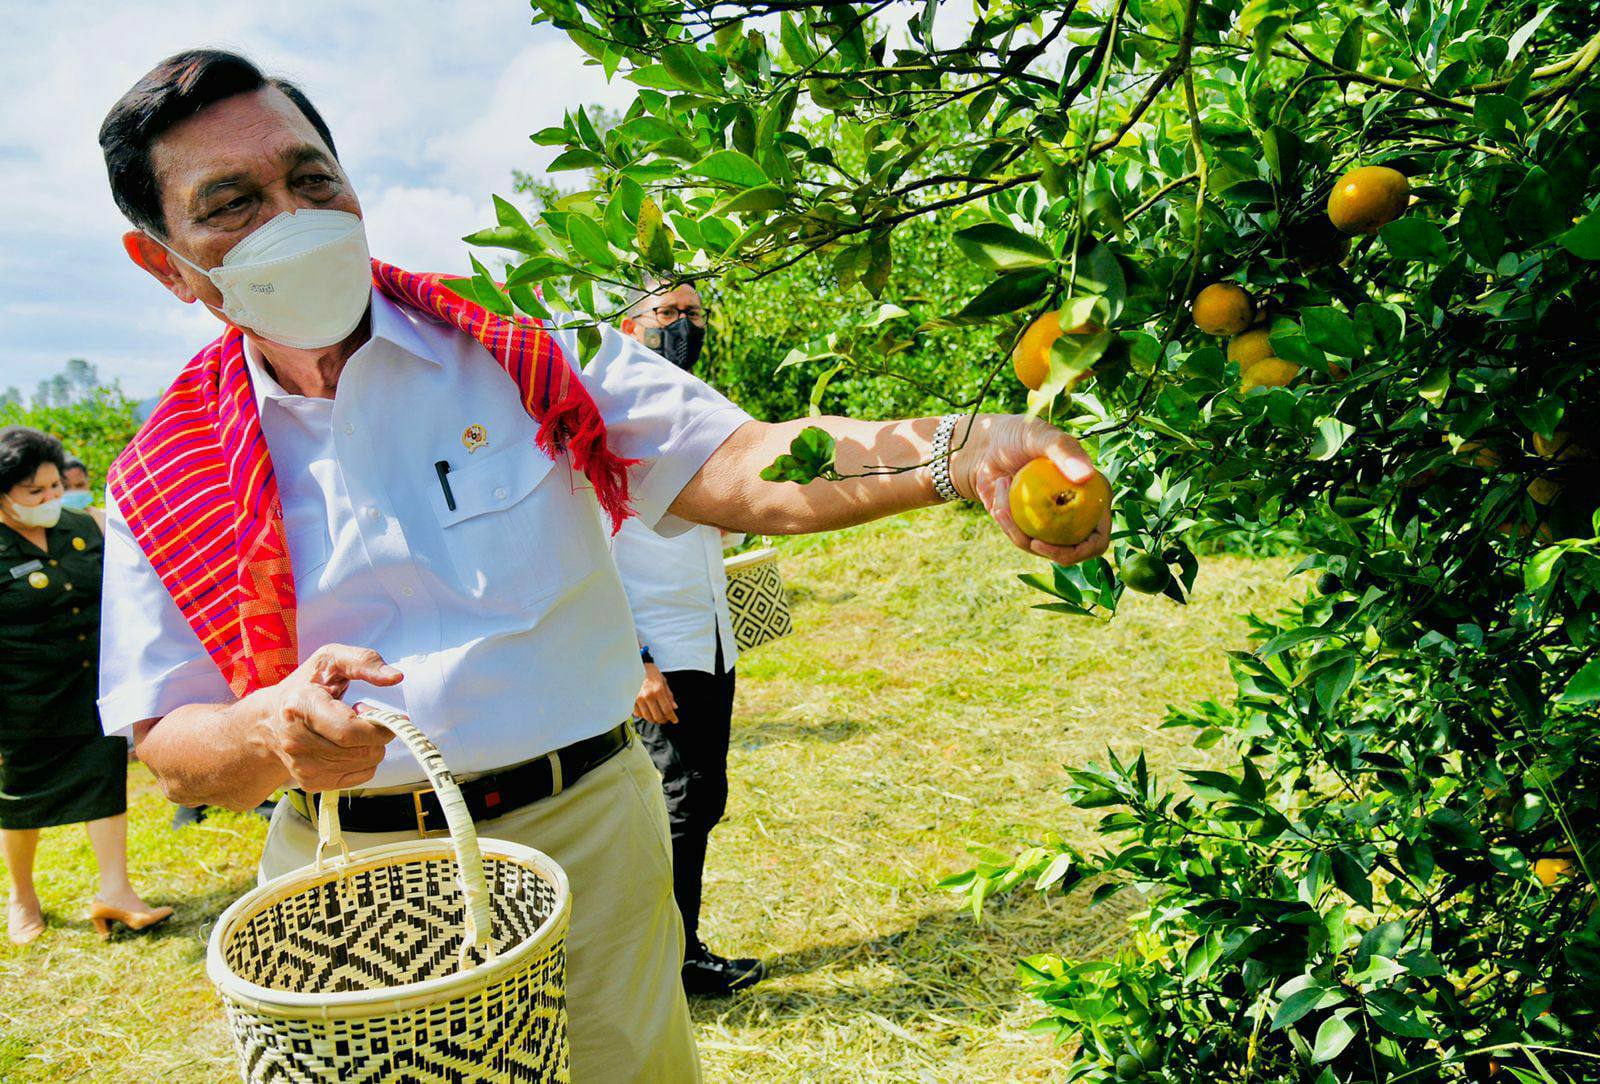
x=86, y=664
x=54, y=562
x=82, y=637
x=500, y=493
x=75, y=611
x=407, y=592
x=372, y=511
x=349, y=429
x=66, y=587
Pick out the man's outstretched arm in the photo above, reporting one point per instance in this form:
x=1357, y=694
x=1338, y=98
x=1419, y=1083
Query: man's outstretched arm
x=728, y=491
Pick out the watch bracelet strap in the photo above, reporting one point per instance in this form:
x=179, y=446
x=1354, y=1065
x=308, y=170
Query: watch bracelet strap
x=943, y=485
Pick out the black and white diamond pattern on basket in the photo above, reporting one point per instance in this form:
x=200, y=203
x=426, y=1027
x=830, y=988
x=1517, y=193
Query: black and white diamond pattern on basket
x=757, y=604
x=390, y=926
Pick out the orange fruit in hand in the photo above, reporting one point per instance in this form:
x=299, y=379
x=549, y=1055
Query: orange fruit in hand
x=1247, y=349
x=1031, y=358
x=1049, y=507
x=1367, y=198
x=1269, y=372
x=1223, y=308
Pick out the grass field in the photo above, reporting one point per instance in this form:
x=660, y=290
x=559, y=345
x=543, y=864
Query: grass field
x=919, y=708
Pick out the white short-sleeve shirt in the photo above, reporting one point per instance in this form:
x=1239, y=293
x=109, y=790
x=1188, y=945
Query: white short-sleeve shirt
x=678, y=590
x=505, y=613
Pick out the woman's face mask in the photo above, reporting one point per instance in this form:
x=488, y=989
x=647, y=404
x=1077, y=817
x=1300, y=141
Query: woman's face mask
x=304, y=279
x=45, y=514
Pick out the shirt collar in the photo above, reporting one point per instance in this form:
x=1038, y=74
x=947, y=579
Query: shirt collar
x=390, y=324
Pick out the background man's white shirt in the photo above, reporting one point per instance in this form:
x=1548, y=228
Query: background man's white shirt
x=506, y=614
x=678, y=591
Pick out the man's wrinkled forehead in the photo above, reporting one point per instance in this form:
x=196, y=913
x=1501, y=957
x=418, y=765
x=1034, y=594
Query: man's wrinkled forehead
x=255, y=135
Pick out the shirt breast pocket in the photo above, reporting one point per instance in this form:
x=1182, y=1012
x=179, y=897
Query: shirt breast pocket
x=514, y=536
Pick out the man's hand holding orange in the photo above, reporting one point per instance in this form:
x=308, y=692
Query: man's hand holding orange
x=985, y=468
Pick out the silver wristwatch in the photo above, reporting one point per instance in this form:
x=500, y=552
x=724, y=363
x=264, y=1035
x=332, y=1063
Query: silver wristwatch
x=940, y=459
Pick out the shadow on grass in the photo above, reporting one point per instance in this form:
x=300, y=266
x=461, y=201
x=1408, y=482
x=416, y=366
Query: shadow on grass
x=944, y=961
x=778, y=731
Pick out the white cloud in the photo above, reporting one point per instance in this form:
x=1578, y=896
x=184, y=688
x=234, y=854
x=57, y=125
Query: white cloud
x=431, y=105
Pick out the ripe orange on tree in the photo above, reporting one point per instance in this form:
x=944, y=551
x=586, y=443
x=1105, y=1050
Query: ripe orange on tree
x=1551, y=870
x=1367, y=198
x=1050, y=507
x=1223, y=308
x=1031, y=358
x=1249, y=347
x=1268, y=372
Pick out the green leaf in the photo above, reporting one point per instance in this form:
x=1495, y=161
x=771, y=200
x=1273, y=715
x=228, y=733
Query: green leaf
x=1413, y=238
x=1397, y=1014
x=1523, y=33
x=1484, y=236
x=1347, y=54
x=765, y=197
x=576, y=158
x=1584, y=688
x=1583, y=240
x=1304, y=1001
x=1000, y=248
x=1008, y=293
x=1331, y=436
x=1333, y=1036
x=730, y=167
x=1541, y=566
x=1329, y=329
x=505, y=237
x=810, y=457
x=589, y=240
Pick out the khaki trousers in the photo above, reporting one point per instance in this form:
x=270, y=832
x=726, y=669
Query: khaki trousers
x=628, y=1019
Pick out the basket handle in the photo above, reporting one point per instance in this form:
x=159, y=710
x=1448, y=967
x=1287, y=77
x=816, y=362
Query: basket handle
x=463, y=835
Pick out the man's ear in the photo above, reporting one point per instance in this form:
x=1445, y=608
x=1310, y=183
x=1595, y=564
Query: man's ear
x=145, y=251
x=630, y=327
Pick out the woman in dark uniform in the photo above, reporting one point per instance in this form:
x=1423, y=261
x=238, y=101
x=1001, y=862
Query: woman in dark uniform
x=56, y=767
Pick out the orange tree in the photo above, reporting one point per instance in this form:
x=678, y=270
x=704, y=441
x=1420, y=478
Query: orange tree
x=1335, y=267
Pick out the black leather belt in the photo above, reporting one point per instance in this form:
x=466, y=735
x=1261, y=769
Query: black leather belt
x=488, y=796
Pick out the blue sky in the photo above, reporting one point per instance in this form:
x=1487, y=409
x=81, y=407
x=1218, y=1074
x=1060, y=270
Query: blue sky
x=430, y=101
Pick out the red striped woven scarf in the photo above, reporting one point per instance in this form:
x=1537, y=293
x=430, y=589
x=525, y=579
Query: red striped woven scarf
x=199, y=494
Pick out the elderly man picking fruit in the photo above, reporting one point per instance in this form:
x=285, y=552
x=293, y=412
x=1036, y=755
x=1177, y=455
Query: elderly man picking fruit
x=370, y=489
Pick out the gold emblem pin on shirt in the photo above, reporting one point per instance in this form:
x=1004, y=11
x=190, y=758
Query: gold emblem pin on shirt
x=38, y=580
x=474, y=437
x=79, y=544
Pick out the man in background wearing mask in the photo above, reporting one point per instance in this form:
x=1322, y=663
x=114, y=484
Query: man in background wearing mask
x=78, y=495
x=370, y=490
x=678, y=592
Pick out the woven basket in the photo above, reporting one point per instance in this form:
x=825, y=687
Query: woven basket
x=757, y=603
x=421, y=962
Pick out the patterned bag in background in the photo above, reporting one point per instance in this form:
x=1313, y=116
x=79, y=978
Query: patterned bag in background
x=756, y=599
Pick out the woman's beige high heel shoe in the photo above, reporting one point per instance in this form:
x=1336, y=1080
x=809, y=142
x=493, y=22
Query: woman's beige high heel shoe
x=104, y=916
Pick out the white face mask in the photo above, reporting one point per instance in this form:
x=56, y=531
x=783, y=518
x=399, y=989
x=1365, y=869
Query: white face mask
x=44, y=515
x=304, y=279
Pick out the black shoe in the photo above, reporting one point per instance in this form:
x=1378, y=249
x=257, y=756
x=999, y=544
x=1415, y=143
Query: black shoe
x=708, y=975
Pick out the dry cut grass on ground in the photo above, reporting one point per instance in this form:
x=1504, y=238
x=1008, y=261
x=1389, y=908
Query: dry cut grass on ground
x=920, y=708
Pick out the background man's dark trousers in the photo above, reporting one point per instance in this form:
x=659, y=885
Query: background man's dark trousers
x=692, y=757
